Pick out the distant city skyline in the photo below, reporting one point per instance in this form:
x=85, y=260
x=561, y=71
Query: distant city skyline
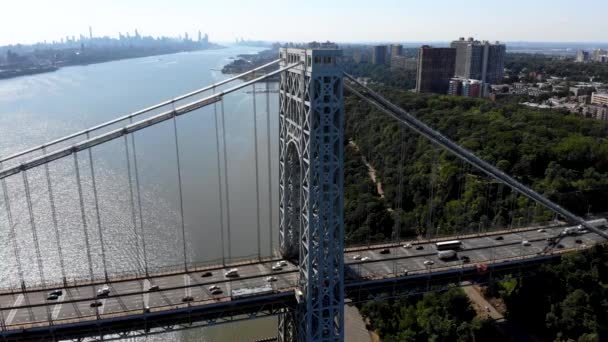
x=340, y=20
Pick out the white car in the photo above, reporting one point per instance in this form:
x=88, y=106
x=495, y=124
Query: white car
x=357, y=257
x=541, y=230
x=104, y=291
x=213, y=288
x=526, y=243
x=231, y=273
x=277, y=267
x=408, y=246
x=429, y=262
x=406, y=271
x=283, y=263
x=271, y=279
x=364, y=258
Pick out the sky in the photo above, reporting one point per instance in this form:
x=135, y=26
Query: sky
x=29, y=21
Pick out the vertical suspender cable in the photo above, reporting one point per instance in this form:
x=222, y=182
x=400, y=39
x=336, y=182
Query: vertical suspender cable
x=54, y=217
x=97, y=215
x=219, y=180
x=400, y=190
x=269, y=166
x=181, y=194
x=83, y=215
x=431, y=193
x=13, y=234
x=30, y=209
x=132, y=202
x=257, y=172
x=141, y=215
x=226, y=180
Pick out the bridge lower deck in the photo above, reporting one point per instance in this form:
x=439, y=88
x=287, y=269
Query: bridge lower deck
x=129, y=297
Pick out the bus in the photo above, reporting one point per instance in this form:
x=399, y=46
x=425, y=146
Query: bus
x=446, y=245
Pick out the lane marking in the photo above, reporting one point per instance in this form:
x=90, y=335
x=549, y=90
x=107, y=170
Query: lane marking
x=13, y=312
x=58, y=306
x=146, y=294
x=187, y=289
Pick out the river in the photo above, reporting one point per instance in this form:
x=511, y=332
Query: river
x=39, y=108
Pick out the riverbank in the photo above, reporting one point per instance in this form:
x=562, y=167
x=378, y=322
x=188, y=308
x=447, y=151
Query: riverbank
x=246, y=62
x=92, y=57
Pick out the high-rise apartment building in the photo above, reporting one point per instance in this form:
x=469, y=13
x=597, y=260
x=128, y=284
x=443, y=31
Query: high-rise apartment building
x=435, y=69
x=396, y=50
x=403, y=63
x=380, y=54
x=478, y=60
x=600, y=55
x=582, y=56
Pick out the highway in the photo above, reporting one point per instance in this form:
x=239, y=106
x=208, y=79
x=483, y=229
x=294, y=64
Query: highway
x=130, y=297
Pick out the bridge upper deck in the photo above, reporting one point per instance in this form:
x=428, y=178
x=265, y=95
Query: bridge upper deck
x=129, y=297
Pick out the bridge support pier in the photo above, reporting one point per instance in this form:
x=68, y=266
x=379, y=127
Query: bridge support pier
x=311, y=190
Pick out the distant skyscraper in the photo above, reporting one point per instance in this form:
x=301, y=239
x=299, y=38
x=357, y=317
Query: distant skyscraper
x=435, y=69
x=582, y=56
x=200, y=36
x=479, y=60
x=379, y=54
x=396, y=50
x=90, y=32
x=599, y=55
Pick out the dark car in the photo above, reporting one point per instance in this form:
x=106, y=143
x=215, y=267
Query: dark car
x=96, y=304
x=579, y=241
x=206, y=274
x=465, y=258
x=385, y=251
x=419, y=247
x=499, y=238
x=52, y=297
x=187, y=299
x=56, y=292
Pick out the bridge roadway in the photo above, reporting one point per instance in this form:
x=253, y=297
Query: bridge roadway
x=32, y=311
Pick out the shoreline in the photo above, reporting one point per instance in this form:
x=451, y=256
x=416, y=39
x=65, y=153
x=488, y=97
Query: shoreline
x=16, y=73
x=245, y=62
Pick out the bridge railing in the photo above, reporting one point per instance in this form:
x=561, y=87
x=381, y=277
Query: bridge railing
x=397, y=267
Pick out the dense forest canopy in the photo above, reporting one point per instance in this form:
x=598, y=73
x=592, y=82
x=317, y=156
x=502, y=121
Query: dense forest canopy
x=562, y=156
x=554, y=66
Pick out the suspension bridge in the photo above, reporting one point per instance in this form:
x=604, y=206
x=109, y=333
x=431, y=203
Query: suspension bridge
x=304, y=282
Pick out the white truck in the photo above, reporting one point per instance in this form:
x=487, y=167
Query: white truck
x=445, y=255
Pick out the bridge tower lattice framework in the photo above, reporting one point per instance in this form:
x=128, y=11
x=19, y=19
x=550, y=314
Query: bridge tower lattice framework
x=311, y=191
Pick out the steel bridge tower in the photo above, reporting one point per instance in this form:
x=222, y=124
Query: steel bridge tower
x=311, y=191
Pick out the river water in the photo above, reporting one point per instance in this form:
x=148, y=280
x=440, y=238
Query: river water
x=39, y=108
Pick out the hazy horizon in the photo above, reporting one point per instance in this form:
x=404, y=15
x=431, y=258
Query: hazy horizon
x=340, y=21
